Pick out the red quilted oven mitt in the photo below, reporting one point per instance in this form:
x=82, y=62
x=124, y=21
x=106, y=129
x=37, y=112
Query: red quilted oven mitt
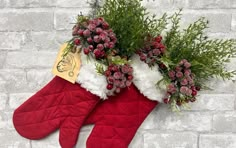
x=117, y=119
x=61, y=104
x=58, y=102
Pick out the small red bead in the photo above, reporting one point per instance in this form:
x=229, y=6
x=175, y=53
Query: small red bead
x=130, y=77
x=194, y=93
x=77, y=42
x=86, y=51
x=198, y=88
x=158, y=39
x=107, y=73
x=179, y=103
x=109, y=86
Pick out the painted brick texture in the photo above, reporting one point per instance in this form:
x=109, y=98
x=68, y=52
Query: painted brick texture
x=31, y=32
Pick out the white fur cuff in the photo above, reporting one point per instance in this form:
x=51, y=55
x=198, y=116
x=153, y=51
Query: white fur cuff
x=145, y=79
x=90, y=79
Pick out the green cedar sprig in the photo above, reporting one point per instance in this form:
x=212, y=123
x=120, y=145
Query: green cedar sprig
x=100, y=68
x=207, y=56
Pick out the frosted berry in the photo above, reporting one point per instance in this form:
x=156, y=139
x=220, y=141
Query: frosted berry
x=109, y=86
x=128, y=83
x=80, y=32
x=96, y=39
x=101, y=19
x=86, y=51
x=115, y=68
x=187, y=65
x=193, y=87
x=171, y=74
x=105, y=25
x=86, y=33
x=178, y=69
x=91, y=47
x=97, y=53
x=117, y=75
x=111, y=45
x=143, y=58
x=75, y=31
x=161, y=46
x=179, y=103
x=179, y=74
x=106, y=45
x=100, y=46
x=117, y=83
x=117, y=90
x=125, y=69
x=158, y=39
x=77, y=42
x=198, y=88
x=90, y=40
x=162, y=66
x=130, y=77
x=92, y=27
x=194, y=93
x=107, y=73
x=184, y=82
x=99, y=30
x=156, y=52
x=110, y=79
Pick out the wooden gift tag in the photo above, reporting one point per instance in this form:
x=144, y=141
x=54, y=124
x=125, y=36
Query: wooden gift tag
x=67, y=67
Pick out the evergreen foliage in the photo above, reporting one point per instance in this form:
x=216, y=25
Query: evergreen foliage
x=131, y=23
x=207, y=56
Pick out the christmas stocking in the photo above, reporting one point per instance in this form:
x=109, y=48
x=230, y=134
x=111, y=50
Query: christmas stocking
x=117, y=119
x=61, y=104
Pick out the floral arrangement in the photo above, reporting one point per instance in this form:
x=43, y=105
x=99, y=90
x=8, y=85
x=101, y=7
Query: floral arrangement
x=101, y=37
x=182, y=84
x=191, y=59
x=187, y=58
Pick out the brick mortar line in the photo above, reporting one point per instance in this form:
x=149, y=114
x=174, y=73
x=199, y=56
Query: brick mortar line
x=152, y=131
x=232, y=32
x=231, y=25
x=202, y=11
x=37, y=9
x=198, y=140
x=235, y=102
x=5, y=58
x=42, y=9
x=30, y=143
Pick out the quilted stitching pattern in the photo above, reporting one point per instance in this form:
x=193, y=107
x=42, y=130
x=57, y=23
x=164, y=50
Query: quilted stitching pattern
x=117, y=119
x=58, y=104
x=63, y=105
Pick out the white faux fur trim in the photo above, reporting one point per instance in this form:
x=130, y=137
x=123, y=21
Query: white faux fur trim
x=90, y=79
x=145, y=79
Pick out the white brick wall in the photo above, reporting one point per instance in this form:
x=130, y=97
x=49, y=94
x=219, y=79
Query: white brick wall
x=31, y=32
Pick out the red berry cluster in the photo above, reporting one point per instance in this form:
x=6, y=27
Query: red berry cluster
x=118, y=77
x=182, y=84
x=152, y=51
x=97, y=37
